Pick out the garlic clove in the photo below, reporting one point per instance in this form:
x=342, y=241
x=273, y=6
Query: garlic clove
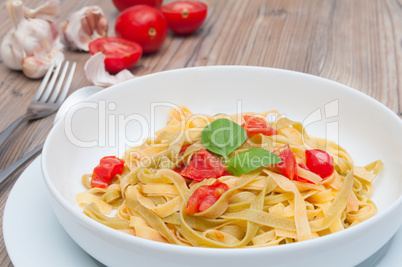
x=33, y=68
x=36, y=66
x=96, y=73
x=84, y=26
x=101, y=28
x=11, y=53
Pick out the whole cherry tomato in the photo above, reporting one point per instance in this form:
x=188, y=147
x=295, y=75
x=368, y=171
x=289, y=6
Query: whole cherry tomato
x=124, y=4
x=120, y=53
x=185, y=17
x=319, y=162
x=205, y=196
x=203, y=165
x=142, y=24
x=255, y=125
x=103, y=173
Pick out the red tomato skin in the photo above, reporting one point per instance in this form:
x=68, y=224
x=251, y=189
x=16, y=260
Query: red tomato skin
x=207, y=202
x=205, y=196
x=185, y=17
x=288, y=166
x=202, y=166
x=103, y=173
x=265, y=131
x=255, y=125
x=117, y=62
x=124, y=4
x=142, y=24
x=193, y=203
x=319, y=162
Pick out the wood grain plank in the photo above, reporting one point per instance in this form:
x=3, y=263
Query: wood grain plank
x=393, y=22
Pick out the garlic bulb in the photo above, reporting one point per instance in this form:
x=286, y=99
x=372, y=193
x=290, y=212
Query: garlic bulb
x=85, y=25
x=33, y=43
x=46, y=11
x=97, y=74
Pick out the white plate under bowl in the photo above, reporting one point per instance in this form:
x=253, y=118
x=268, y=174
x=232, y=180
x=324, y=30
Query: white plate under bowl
x=56, y=248
x=366, y=128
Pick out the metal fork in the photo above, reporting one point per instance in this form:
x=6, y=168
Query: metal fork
x=46, y=101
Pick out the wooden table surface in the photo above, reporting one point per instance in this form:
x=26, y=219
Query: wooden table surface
x=354, y=42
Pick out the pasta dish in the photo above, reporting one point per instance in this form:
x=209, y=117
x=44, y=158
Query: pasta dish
x=230, y=181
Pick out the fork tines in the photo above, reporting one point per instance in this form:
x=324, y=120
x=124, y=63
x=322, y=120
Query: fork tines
x=50, y=94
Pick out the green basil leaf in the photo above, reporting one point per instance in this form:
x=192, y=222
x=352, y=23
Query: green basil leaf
x=223, y=136
x=250, y=160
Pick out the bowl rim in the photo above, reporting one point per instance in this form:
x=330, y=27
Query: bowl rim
x=171, y=248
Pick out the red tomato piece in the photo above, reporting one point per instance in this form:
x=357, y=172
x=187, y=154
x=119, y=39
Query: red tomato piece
x=103, y=173
x=124, y=4
x=192, y=203
x=185, y=17
x=255, y=125
x=120, y=53
x=319, y=162
x=207, y=202
x=205, y=196
x=142, y=24
x=288, y=166
x=203, y=165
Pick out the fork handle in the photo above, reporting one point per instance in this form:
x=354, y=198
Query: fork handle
x=6, y=133
x=4, y=174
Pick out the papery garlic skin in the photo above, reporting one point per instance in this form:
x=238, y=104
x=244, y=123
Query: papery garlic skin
x=46, y=11
x=32, y=44
x=11, y=56
x=84, y=26
x=96, y=73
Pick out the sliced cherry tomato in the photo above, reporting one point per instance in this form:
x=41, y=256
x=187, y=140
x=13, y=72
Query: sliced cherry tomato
x=202, y=166
x=205, y=196
x=124, y=4
x=185, y=17
x=255, y=125
x=319, y=162
x=142, y=24
x=103, y=173
x=120, y=53
x=288, y=166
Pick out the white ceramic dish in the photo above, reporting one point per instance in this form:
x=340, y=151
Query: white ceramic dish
x=44, y=242
x=218, y=89
x=56, y=248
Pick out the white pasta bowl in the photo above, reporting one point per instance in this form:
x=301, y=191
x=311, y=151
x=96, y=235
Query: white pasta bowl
x=121, y=115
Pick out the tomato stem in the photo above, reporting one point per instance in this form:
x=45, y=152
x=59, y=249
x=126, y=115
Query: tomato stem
x=152, y=32
x=184, y=13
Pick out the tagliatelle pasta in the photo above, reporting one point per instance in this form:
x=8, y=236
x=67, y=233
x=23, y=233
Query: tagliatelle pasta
x=271, y=205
